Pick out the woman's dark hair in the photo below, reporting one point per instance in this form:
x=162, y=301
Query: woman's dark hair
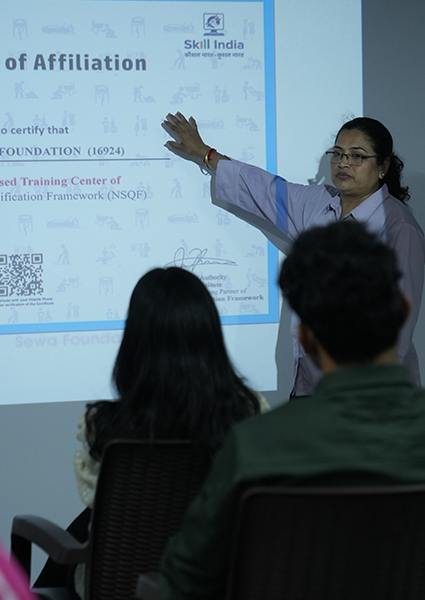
x=172, y=373
x=382, y=144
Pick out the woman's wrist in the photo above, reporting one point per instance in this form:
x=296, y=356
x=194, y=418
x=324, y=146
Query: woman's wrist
x=207, y=158
x=211, y=158
x=202, y=151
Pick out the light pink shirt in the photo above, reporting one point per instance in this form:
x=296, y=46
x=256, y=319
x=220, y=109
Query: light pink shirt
x=14, y=584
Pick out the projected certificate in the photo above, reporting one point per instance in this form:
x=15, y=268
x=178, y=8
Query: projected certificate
x=89, y=197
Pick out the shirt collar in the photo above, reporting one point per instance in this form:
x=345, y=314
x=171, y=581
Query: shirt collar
x=364, y=377
x=365, y=209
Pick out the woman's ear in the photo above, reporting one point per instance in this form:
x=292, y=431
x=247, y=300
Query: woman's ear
x=384, y=168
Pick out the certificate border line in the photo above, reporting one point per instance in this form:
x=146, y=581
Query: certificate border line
x=272, y=316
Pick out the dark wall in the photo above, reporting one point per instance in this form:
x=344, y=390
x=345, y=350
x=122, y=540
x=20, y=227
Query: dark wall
x=394, y=93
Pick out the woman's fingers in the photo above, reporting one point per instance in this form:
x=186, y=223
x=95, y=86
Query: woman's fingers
x=174, y=119
x=186, y=132
x=178, y=123
x=193, y=123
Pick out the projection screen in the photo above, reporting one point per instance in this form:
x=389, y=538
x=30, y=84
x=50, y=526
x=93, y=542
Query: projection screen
x=91, y=199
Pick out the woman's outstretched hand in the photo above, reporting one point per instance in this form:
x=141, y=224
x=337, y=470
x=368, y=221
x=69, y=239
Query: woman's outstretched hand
x=186, y=134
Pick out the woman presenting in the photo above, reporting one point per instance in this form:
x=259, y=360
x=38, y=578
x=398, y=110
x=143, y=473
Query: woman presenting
x=366, y=176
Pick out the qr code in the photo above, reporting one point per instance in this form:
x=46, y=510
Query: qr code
x=21, y=275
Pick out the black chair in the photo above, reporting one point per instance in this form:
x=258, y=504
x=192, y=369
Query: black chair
x=295, y=543
x=143, y=491
x=330, y=543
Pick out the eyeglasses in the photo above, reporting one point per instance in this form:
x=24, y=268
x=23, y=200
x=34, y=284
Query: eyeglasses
x=355, y=159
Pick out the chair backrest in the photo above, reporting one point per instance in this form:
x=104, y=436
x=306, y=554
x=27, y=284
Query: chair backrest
x=329, y=544
x=143, y=492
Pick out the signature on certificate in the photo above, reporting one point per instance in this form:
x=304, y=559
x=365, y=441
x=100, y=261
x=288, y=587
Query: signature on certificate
x=196, y=257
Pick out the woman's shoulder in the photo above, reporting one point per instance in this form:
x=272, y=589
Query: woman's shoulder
x=398, y=214
x=97, y=412
x=262, y=401
x=81, y=428
x=101, y=407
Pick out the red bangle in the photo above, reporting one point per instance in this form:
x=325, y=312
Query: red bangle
x=207, y=157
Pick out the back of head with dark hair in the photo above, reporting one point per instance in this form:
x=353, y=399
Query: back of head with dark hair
x=342, y=281
x=172, y=373
x=382, y=144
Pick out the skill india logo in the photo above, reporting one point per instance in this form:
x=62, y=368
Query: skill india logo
x=214, y=23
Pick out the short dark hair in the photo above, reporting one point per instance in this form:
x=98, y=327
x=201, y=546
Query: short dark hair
x=343, y=283
x=382, y=144
x=172, y=373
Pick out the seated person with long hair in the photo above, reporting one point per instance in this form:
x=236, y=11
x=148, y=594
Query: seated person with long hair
x=172, y=374
x=174, y=380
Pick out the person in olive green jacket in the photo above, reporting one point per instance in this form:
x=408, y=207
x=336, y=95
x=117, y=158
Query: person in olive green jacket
x=364, y=423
